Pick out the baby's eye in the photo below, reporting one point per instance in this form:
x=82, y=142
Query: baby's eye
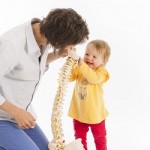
x=87, y=54
x=94, y=57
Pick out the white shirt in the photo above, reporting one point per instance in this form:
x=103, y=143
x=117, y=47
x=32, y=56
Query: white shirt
x=20, y=70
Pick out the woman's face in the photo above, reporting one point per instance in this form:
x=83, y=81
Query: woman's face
x=64, y=52
x=69, y=47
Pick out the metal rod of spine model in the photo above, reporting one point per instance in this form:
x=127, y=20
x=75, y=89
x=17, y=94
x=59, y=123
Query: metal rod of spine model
x=58, y=142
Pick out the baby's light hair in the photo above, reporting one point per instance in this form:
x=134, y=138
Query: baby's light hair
x=102, y=48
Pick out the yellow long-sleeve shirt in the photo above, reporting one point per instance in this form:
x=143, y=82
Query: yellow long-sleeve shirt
x=87, y=103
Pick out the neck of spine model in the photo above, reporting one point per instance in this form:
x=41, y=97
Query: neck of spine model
x=56, y=123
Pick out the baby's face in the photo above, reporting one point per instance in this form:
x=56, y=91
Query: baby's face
x=92, y=58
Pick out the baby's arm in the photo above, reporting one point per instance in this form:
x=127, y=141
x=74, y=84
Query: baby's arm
x=94, y=76
x=74, y=55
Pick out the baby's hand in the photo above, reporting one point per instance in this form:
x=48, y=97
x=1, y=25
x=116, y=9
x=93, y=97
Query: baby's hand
x=73, y=54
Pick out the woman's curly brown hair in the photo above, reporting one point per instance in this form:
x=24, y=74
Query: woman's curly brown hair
x=64, y=27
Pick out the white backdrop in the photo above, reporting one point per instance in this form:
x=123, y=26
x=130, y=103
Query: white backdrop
x=125, y=25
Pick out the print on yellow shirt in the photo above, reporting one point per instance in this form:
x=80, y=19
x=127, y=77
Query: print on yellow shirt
x=83, y=89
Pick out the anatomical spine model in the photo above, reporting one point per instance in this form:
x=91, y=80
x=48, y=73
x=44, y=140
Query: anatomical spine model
x=58, y=142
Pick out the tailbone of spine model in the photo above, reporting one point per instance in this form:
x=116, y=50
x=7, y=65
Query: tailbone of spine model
x=58, y=142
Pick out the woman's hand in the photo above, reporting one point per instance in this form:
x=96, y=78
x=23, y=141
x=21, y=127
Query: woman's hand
x=57, y=54
x=23, y=118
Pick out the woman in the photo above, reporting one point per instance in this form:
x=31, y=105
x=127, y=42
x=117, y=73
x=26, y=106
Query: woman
x=24, y=58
